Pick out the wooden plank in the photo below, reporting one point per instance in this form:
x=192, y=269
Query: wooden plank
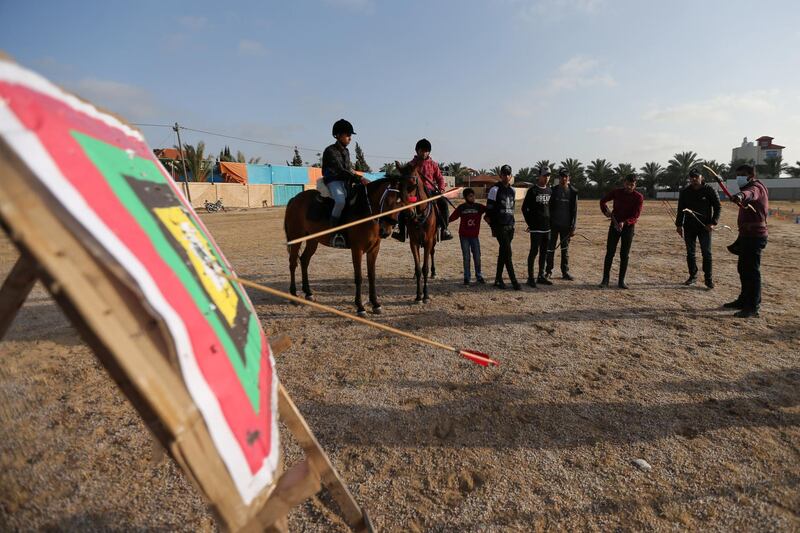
x=15, y=290
x=294, y=487
x=319, y=459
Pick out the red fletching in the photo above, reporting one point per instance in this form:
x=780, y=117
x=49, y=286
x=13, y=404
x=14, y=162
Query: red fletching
x=478, y=358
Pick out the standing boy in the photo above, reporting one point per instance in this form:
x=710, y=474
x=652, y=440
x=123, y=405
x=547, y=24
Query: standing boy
x=563, y=218
x=627, y=208
x=752, y=240
x=536, y=210
x=500, y=216
x=698, y=214
x=470, y=213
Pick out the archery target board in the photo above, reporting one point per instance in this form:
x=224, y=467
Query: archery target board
x=106, y=180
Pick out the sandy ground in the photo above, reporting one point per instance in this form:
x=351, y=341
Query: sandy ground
x=590, y=380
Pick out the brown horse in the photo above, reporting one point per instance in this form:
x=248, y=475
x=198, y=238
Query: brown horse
x=421, y=225
x=376, y=197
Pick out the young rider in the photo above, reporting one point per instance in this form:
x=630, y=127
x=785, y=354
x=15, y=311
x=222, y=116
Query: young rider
x=337, y=173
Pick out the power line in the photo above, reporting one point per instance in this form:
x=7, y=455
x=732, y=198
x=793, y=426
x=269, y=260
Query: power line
x=256, y=141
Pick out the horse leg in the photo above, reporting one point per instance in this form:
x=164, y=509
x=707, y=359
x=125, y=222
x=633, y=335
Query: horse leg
x=433, y=263
x=305, y=259
x=294, y=249
x=372, y=257
x=417, y=270
x=357, y=253
x=425, y=265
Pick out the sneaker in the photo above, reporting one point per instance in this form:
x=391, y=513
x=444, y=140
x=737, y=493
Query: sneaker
x=622, y=285
x=710, y=284
x=603, y=284
x=446, y=235
x=736, y=304
x=544, y=281
x=337, y=241
x=499, y=284
x=516, y=285
x=480, y=280
x=691, y=281
x=531, y=283
x=746, y=313
x=466, y=282
x=567, y=276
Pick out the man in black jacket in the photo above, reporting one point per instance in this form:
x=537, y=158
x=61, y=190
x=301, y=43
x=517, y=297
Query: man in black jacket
x=536, y=210
x=500, y=216
x=698, y=214
x=563, y=217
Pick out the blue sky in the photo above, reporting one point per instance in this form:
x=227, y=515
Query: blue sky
x=488, y=82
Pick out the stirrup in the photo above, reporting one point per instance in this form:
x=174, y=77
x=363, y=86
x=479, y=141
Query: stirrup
x=337, y=241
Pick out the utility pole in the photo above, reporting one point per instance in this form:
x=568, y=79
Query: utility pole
x=177, y=129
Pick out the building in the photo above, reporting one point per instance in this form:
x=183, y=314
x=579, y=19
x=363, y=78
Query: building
x=759, y=151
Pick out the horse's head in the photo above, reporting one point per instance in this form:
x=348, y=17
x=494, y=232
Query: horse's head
x=387, y=194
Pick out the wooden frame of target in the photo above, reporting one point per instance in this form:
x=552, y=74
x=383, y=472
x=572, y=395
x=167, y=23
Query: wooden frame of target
x=102, y=225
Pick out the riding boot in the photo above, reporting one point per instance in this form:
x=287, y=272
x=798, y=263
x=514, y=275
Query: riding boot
x=400, y=233
x=337, y=239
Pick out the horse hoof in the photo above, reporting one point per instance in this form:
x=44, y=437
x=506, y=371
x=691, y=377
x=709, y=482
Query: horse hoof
x=433, y=275
x=311, y=298
x=377, y=310
x=418, y=301
x=426, y=300
x=361, y=312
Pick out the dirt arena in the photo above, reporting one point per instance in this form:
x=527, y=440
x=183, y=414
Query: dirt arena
x=589, y=381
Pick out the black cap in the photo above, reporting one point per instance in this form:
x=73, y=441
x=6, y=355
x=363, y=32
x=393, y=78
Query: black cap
x=505, y=170
x=563, y=173
x=694, y=173
x=342, y=126
x=544, y=171
x=631, y=177
x=424, y=145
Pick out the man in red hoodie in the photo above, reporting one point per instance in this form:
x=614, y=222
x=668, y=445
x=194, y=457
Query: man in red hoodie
x=752, y=240
x=627, y=208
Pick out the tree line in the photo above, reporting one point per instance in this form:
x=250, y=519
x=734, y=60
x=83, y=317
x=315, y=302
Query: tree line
x=596, y=177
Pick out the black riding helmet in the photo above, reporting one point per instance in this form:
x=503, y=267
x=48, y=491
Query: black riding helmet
x=424, y=145
x=342, y=126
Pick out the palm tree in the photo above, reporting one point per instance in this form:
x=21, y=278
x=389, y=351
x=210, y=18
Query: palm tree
x=794, y=171
x=624, y=169
x=482, y=172
x=772, y=167
x=495, y=171
x=388, y=168
x=679, y=166
x=458, y=171
x=651, y=174
x=720, y=168
x=575, y=170
x=526, y=175
x=197, y=164
x=601, y=173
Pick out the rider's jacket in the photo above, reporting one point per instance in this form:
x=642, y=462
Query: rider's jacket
x=336, y=164
x=431, y=173
x=500, y=205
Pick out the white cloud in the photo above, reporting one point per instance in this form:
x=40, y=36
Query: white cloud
x=720, y=108
x=352, y=5
x=576, y=73
x=536, y=9
x=193, y=22
x=129, y=101
x=251, y=48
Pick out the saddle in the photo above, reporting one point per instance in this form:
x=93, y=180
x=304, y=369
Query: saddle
x=356, y=205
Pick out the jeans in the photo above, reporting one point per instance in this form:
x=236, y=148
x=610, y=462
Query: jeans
x=749, y=268
x=471, y=245
x=556, y=235
x=539, y=242
x=338, y=190
x=691, y=234
x=614, y=236
x=504, y=236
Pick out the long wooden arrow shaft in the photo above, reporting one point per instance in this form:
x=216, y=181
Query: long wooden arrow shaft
x=371, y=217
x=377, y=325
